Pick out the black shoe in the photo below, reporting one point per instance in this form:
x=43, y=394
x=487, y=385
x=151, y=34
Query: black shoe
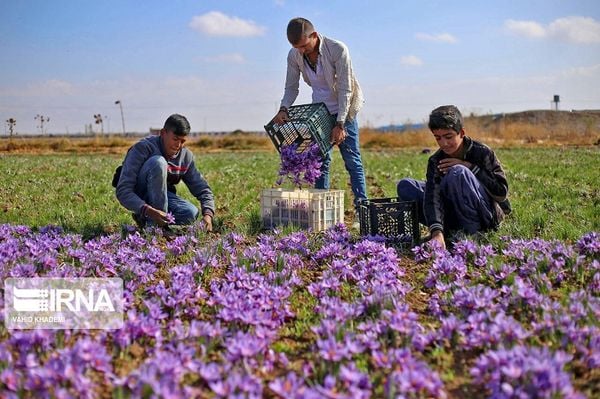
x=139, y=220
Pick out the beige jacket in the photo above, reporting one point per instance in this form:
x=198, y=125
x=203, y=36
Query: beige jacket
x=338, y=73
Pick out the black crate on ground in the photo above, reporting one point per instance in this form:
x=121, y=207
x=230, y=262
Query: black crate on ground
x=309, y=123
x=389, y=217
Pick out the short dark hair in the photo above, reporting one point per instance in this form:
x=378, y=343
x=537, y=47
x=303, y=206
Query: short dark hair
x=177, y=124
x=446, y=117
x=298, y=27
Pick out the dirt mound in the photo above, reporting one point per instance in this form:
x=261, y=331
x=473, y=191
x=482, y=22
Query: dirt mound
x=579, y=121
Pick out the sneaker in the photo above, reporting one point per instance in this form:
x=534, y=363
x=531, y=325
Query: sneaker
x=141, y=222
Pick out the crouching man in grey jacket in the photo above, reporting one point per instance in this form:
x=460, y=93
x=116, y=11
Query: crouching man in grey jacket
x=150, y=171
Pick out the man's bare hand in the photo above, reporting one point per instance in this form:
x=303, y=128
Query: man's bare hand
x=159, y=217
x=281, y=117
x=338, y=135
x=207, y=219
x=445, y=164
x=439, y=237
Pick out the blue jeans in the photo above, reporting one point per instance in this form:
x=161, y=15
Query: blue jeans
x=467, y=206
x=151, y=186
x=350, y=150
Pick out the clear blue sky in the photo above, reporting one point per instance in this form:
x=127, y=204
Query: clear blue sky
x=222, y=63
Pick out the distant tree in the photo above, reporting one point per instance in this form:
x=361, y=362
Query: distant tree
x=12, y=122
x=99, y=121
x=41, y=121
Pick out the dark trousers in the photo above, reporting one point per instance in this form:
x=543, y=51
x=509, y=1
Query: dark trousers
x=467, y=206
x=152, y=187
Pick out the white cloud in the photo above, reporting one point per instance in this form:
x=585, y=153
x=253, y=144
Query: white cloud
x=230, y=58
x=280, y=3
x=441, y=38
x=525, y=28
x=411, y=60
x=216, y=23
x=576, y=29
x=584, y=30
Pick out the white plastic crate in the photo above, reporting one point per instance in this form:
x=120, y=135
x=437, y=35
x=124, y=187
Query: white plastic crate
x=308, y=209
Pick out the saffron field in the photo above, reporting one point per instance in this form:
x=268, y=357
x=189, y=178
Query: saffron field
x=291, y=314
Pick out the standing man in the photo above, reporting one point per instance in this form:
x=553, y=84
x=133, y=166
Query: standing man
x=152, y=168
x=325, y=66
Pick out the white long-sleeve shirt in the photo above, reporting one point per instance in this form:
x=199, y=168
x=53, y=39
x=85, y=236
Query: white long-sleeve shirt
x=339, y=75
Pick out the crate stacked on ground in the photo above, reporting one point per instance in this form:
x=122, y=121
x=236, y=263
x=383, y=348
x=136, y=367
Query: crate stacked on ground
x=396, y=220
x=307, y=209
x=309, y=123
x=312, y=209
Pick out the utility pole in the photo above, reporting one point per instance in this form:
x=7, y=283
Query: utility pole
x=122, y=118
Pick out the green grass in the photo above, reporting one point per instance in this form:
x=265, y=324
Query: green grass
x=555, y=192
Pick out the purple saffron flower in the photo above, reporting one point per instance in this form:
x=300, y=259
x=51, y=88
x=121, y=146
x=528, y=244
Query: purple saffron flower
x=354, y=377
x=11, y=379
x=474, y=298
x=331, y=350
x=301, y=167
x=594, y=285
x=170, y=218
x=177, y=246
x=245, y=345
x=290, y=386
x=589, y=244
x=412, y=378
x=523, y=371
x=211, y=371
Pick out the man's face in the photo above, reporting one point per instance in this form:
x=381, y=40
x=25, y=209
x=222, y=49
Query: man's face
x=307, y=44
x=449, y=140
x=172, y=143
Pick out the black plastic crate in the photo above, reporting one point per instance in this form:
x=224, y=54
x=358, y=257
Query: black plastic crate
x=309, y=123
x=391, y=218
